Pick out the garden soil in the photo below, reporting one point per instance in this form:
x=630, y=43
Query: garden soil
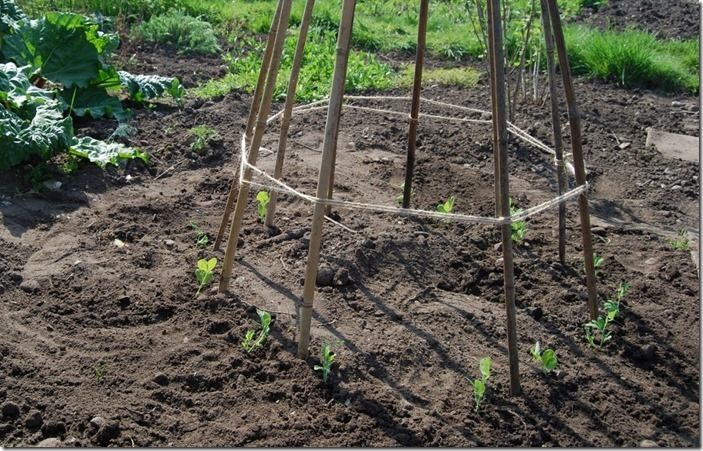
x=104, y=341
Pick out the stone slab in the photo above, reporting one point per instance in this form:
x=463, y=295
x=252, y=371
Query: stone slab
x=674, y=145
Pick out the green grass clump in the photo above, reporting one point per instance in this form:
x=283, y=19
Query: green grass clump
x=365, y=71
x=633, y=58
x=203, y=135
x=189, y=34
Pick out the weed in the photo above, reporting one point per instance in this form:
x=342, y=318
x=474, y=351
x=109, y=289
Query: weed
x=326, y=360
x=71, y=165
x=204, y=135
x=263, y=198
x=99, y=372
x=681, y=243
x=547, y=358
x=250, y=343
x=189, y=34
x=457, y=76
x=518, y=229
x=202, y=238
x=479, y=385
x=447, y=206
x=204, y=274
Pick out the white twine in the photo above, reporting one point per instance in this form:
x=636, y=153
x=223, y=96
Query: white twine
x=282, y=187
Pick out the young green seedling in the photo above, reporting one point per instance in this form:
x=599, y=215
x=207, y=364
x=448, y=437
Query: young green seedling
x=518, y=228
x=249, y=343
x=263, y=198
x=547, y=358
x=447, y=206
x=479, y=385
x=204, y=274
x=399, y=199
x=598, y=263
x=201, y=239
x=681, y=243
x=326, y=359
x=599, y=325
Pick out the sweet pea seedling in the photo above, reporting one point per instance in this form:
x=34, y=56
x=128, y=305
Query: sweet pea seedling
x=519, y=228
x=249, y=343
x=201, y=239
x=326, y=359
x=547, y=358
x=204, y=274
x=263, y=198
x=479, y=385
x=447, y=206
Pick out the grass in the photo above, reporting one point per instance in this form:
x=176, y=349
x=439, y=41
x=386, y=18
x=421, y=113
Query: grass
x=634, y=58
x=190, y=35
x=465, y=77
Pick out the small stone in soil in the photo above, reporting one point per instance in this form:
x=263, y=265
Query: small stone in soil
x=169, y=243
x=10, y=410
x=30, y=286
x=96, y=423
x=53, y=428
x=325, y=276
x=51, y=442
x=108, y=433
x=341, y=277
x=161, y=379
x=648, y=444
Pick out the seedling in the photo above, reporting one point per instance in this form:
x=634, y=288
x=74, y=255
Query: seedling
x=203, y=135
x=598, y=263
x=600, y=326
x=447, y=206
x=547, y=358
x=681, y=243
x=479, y=385
x=326, y=359
x=250, y=343
x=263, y=198
x=204, y=274
x=201, y=239
x=612, y=307
x=518, y=228
x=99, y=372
x=399, y=199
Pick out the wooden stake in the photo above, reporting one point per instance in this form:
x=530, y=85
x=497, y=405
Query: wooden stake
x=253, y=112
x=264, y=110
x=331, y=130
x=288, y=108
x=500, y=152
x=576, y=151
x=562, y=185
x=415, y=107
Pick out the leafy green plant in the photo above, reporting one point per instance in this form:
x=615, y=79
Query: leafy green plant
x=204, y=135
x=99, y=372
x=326, y=360
x=52, y=68
x=547, y=358
x=598, y=263
x=251, y=343
x=188, y=34
x=479, y=385
x=680, y=243
x=447, y=206
x=204, y=273
x=201, y=239
x=599, y=328
x=262, y=197
x=518, y=229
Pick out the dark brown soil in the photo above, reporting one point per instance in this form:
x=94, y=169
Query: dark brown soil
x=673, y=19
x=91, y=329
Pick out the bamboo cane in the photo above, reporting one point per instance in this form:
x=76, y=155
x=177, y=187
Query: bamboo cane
x=288, y=108
x=253, y=112
x=264, y=110
x=331, y=130
x=415, y=107
x=556, y=127
x=491, y=70
x=576, y=151
x=500, y=150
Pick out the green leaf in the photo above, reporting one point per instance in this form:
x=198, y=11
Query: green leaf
x=102, y=153
x=202, y=264
x=56, y=46
x=485, y=367
x=479, y=387
x=93, y=101
x=549, y=360
x=211, y=264
x=145, y=87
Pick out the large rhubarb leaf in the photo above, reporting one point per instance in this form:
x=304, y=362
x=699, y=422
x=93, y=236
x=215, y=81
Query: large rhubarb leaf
x=18, y=93
x=10, y=15
x=103, y=153
x=47, y=132
x=56, y=46
x=144, y=87
x=93, y=101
